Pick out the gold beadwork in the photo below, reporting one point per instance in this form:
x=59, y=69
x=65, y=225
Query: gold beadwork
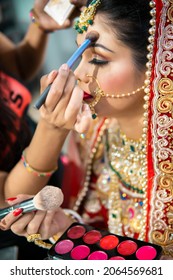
x=87, y=16
x=36, y=238
x=32, y=237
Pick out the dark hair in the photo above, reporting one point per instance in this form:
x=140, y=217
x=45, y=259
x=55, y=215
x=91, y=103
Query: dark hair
x=14, y=136
x=130, y=19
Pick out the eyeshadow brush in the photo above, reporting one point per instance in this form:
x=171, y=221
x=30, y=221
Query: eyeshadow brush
x=49, y=198
x=91, y=38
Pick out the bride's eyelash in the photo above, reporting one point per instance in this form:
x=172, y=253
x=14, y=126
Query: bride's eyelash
x=98, y=62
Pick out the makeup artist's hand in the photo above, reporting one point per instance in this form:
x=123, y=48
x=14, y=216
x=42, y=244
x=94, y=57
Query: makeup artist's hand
x=79, y=3
x=47, y=23
x=46, y=223
x=64, y=108
x=44, y=20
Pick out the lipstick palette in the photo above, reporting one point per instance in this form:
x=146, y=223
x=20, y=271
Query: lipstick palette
x=84, y=242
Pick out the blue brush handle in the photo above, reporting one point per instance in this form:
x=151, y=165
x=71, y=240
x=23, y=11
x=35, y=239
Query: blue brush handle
x=70, y=63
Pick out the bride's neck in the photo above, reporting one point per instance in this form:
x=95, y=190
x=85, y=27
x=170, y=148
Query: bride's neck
x=132, y=127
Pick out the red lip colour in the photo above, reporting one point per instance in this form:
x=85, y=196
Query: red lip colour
x=87, y=96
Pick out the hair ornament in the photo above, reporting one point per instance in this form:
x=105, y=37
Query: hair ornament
x=87, y=16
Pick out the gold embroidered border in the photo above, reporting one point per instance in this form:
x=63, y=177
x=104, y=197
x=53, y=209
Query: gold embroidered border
x=162, y=195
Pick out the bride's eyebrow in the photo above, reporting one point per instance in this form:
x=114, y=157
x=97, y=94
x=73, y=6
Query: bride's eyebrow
x=97, y=45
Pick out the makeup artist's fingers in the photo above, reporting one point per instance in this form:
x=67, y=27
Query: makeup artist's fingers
x=18, y=221
x=20, y=226
x=49, y=226
x=47, y=80
x=54, y=222
x=63, y=102
x=45, y=21
x=56, y=89
x=9, y=219
x=84, y=120
x=69, y=106
x=34, y=224
x=19, y=198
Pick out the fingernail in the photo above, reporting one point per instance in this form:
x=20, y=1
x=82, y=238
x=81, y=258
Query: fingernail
x=17, y=212
x=64, y=67
x=52, y=74
x=3, y=222
x=11, y=198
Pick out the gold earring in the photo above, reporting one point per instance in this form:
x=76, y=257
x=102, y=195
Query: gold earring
x=98, y=94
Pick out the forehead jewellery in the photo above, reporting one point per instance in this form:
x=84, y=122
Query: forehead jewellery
x=87, y=16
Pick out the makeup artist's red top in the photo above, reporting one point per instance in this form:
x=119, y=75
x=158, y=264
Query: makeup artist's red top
x=15, y=94
x=17, y=97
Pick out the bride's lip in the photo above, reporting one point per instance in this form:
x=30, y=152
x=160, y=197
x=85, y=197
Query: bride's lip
x=87, y=96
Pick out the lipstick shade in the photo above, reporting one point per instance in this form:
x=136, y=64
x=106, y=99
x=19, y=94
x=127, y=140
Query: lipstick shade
x=146, y=253
x=127, y=247
x=64, y=246
x=80, y=252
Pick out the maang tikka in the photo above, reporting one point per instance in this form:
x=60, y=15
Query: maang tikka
x=87, y=16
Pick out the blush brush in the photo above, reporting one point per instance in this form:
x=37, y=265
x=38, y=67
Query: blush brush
x=49, y=198
x=91, y=38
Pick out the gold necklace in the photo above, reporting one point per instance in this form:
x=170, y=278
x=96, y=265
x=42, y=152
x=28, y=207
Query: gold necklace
x=126, y=159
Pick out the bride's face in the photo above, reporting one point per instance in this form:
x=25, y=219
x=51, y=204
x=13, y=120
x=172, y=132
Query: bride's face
x=112, y=64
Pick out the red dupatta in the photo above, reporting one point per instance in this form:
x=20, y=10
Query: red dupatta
x=160, y=132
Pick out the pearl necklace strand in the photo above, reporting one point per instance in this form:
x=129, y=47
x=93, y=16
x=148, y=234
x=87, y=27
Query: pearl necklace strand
x=124, y=94
x=152, y=30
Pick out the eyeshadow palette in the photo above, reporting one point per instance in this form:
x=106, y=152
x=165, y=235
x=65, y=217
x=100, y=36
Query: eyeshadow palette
x=84, y=242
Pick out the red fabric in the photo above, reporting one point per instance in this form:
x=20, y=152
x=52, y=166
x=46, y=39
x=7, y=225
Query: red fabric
x=150, y=143
x=15, y=94
x=17, y=97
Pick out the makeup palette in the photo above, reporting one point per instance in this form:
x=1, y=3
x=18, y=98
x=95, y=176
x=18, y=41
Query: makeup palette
x=84, y=242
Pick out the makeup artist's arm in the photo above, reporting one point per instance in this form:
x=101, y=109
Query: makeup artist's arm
x=24, y=60
x=60, y=113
